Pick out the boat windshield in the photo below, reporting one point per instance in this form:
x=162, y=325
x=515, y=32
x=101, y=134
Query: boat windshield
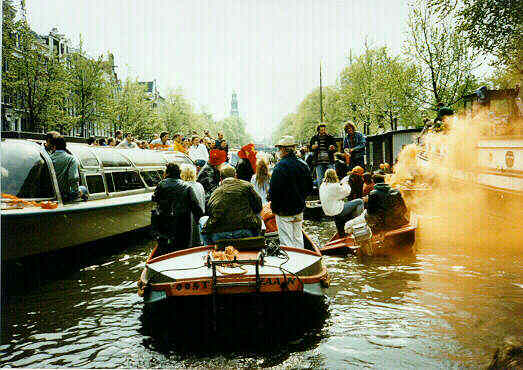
x=111, y=157
x=24, y=172
x=145, y=158
x=84, y=154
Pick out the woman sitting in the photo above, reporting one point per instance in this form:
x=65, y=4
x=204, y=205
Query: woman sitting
x=332, y=194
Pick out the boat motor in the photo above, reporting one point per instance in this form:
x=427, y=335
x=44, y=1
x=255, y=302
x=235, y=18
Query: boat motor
x=362, y=233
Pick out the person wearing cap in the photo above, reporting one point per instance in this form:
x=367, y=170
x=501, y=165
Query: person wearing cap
x=291, y=183
x=246, y=166
x=209, y=175
x=233, y=210
x=354, y=145
x=323, y=147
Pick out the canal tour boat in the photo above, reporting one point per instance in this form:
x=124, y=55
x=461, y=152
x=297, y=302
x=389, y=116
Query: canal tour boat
x=120, y=184
x=389, y=242
x=233, y=272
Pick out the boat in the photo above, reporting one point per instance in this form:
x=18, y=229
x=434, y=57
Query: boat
x=313, y=210
x=120, y=184
x=397, y=240
x=498, y=170
x=262, y=273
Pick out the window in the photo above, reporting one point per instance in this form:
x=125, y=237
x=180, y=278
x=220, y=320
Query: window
x=151, y=178
x=110, y=182
x=124, y=181
x=95, y=184
x=24, y=172
x=111, y=157
x=84, y=154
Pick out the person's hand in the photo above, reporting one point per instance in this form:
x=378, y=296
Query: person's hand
x=347, y=151
x=314, y=146
x=332, y=147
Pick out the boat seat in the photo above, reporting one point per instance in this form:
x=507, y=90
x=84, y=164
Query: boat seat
x=250, y=243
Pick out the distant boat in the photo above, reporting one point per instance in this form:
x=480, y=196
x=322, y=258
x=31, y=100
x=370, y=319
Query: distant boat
x=120, y=183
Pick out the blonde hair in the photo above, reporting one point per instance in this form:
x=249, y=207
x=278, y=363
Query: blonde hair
x=262, y=172
x=330, y=176
x=188, y=172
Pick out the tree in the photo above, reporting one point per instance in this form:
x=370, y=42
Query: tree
x=233, y=129
x=89, y=89
x=176, y=113
x=493, y=26
x=132, y=111
x=378, y=90
x=442, y=53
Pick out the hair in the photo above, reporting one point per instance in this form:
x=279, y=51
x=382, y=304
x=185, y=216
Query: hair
x=349, y=124
x=367, y=177
x=356, y=186
x=188, y=172
x=194, y=137
x=51, y=134
x=118, y=132
x=101, y=141
x=227, y=171
x=172, y=171
x=110, y=140
x=330, y=176
x=321, y=124
x=378, y=178
x=58, y=142
x=357, y=170
x=163, y=134
x=262, y=172
x=127, y=134
x=91, y=140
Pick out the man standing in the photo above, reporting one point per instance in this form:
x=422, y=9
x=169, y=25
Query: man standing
x=128, y=142
x=291, y=183
x=323, y=146
x=354, y=146
x=209, y=175
x=162, y=140
x=233, y=210
x=66, y=169
x=219, y=143
x=118, y=135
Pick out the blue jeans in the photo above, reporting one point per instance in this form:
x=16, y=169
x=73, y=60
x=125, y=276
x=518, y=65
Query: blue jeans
x=212, y=238
x=351, y=209
x=320, y=172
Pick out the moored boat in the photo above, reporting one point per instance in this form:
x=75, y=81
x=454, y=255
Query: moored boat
x=120, y=183
x=388, y=242
x=260, y=269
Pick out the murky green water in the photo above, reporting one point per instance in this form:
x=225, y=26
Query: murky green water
x=442, y=307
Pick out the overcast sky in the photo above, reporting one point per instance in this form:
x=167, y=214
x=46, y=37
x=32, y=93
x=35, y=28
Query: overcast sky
x=268, y=51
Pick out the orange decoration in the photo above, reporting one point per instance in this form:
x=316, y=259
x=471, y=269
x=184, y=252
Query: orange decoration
x=15, y=201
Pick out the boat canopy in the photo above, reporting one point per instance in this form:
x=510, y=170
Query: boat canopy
x=145, y=158
x=84, y=155
x=24, y=171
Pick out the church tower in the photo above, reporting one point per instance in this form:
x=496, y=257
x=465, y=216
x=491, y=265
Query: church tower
x=234, y=105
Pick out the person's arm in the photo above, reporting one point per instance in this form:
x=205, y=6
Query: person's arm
x=196, y=209
x=276, y=182
x=205, y=152
x=313, y=143
x=255, y=200
x=74, y=176
x=361, y=142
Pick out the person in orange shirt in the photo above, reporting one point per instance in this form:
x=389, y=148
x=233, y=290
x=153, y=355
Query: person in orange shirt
x=178, y=146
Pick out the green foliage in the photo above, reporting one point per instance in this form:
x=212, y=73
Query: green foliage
x=443, y=55
x=493, y=26
x=233, y=129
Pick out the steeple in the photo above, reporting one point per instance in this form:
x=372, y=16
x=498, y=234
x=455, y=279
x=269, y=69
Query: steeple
x=234, y=105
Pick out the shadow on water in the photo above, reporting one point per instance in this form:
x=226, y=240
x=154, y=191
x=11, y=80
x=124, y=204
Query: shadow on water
x=268, y=327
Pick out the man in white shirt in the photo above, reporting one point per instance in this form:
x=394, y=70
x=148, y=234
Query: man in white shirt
x=198, y=152
x=162, y=140
x=128, y=142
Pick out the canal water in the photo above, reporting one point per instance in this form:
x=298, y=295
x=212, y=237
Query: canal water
x=446, y=306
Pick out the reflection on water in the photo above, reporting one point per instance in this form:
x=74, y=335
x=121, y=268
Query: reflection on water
x=439, y=308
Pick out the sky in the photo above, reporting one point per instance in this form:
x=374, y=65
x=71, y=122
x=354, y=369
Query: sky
x=268, y=51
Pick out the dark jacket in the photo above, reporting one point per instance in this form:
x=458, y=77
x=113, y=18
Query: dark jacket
x=178, y=209
x=357, y=143
x=330, y=141
x=386, y=208
x=234, y=205
x=291, y=183
x=209, y=177
x=341, y=168
x=244, y=170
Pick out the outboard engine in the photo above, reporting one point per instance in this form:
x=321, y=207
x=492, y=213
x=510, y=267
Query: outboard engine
x=362, y=233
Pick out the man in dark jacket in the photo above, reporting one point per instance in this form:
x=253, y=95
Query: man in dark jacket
x=233, y=210
x=209, y=175
x=291, y=183
x=386, y=208
x=178, y=209
x=354, y=145
x=323, y=147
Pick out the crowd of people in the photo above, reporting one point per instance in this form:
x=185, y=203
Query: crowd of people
x=230, y=199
